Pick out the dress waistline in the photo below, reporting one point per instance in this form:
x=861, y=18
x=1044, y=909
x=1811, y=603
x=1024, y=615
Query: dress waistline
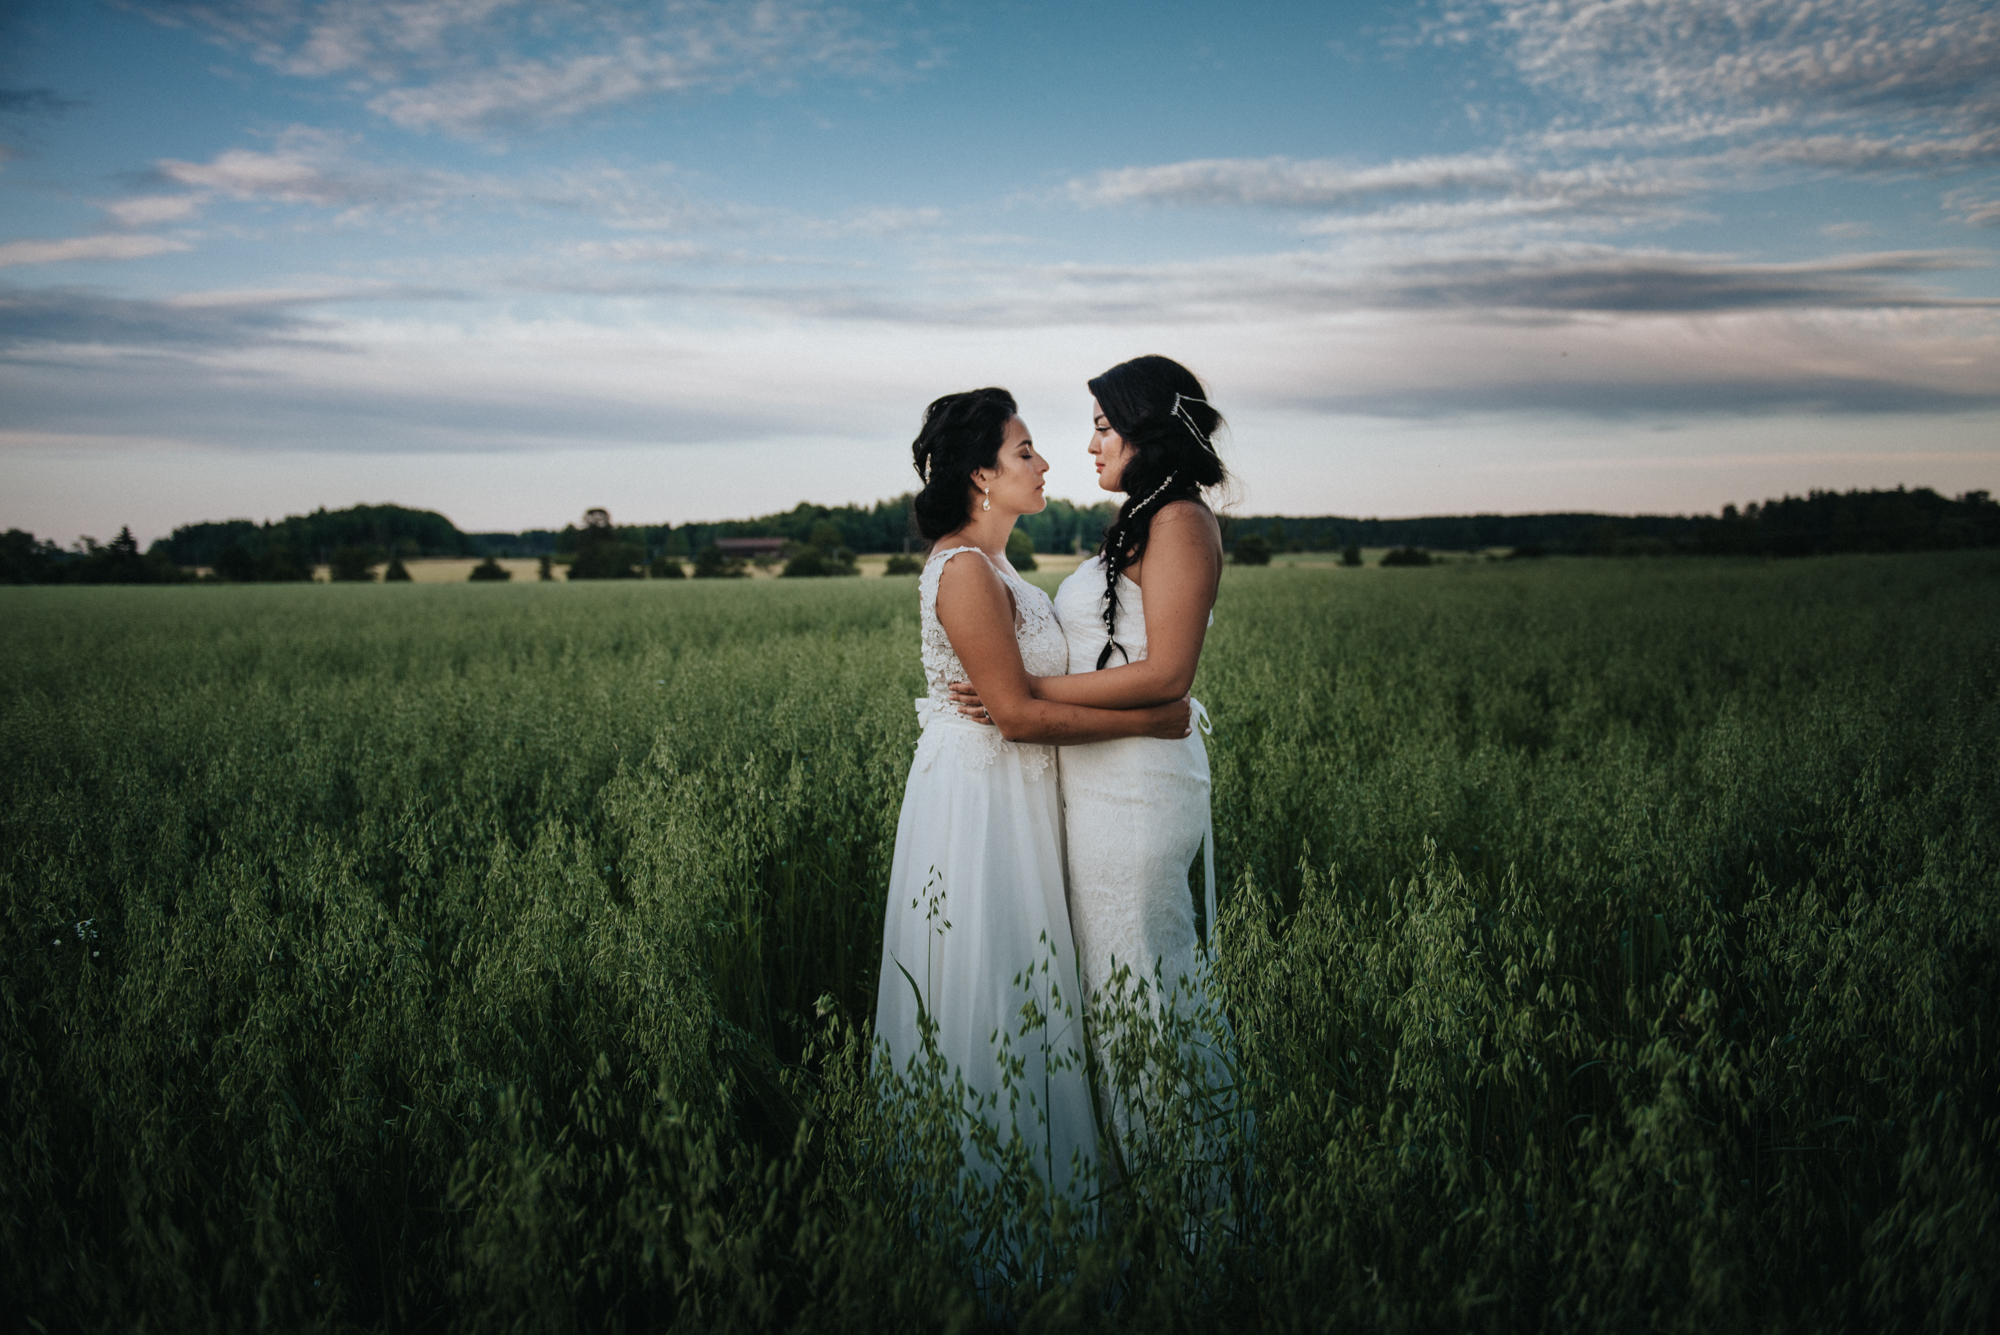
x=931, y=714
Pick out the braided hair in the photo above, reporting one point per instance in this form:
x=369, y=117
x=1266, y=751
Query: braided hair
x=1163, y=414
x=961, y=434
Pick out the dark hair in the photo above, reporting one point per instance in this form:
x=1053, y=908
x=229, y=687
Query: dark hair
x=961, y=432
x=1162, y=412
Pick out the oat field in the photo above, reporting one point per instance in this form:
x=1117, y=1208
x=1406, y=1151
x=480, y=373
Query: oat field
x=1609, y=945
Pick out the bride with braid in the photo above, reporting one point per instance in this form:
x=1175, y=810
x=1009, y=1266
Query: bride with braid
x=1136, y=809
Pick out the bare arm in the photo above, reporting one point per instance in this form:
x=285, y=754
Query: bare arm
x=977, y=613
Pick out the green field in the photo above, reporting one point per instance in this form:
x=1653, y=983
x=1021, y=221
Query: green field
x=1611, y=945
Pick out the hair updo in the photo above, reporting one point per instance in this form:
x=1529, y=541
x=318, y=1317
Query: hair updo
x=961, y=433
x=1162, y=412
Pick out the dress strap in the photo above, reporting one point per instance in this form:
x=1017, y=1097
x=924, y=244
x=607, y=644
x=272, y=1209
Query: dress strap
x=927, y=583
x=1202, y=721
x=1208, y=875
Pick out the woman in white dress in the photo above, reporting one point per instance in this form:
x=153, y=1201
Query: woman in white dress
x=1136, y=809
x=977, y=925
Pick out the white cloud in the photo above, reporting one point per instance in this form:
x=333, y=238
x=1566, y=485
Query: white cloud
x=151, y=210
x=87, y=248
x=1514, y=213
x=1936, y=58
x=1453, y=193
x=310, y=167
x=1974, y=208
x=882, y=221
x=1864, y=152
x=1287, y=182
x=306, y=167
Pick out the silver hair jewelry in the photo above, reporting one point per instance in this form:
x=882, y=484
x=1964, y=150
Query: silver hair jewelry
x=1155, y=496
x=1188, y=418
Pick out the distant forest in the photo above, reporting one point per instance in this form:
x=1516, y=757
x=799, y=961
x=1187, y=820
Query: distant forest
x=885, y=526
x=1817, y=523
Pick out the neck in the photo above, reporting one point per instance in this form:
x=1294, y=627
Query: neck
x=987, y=530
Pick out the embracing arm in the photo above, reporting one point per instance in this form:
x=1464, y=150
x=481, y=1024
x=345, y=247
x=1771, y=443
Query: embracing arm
x=1183, y=567
x=977, y=613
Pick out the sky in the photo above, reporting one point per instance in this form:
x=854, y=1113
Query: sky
x=511, y=259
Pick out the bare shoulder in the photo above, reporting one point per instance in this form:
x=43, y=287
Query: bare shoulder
x=1187, y=521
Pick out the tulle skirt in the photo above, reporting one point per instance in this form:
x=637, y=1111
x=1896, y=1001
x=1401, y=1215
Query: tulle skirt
x=976, y=945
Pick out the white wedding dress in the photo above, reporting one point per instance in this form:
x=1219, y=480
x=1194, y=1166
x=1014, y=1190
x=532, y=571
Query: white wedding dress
x=1136, y=812
x=977, y=926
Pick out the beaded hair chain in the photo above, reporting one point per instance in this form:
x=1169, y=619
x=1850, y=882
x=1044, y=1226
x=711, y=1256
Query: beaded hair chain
x=1188, y=418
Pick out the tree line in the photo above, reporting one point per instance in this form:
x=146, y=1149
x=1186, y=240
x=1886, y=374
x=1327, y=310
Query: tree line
x=352, y=542
x=1816, y=524
x=886, y=526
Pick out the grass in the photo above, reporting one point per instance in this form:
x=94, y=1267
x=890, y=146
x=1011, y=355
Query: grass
x=1607, y=945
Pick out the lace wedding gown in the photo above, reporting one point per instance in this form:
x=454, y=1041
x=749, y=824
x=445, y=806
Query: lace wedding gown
x=1135, y=811
x=977, y=927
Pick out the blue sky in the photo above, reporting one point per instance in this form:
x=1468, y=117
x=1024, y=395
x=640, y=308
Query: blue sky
x=509, y=260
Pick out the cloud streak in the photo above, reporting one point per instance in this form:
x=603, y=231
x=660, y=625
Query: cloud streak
x=34, y=322
x=1527, y=282
x=1937, y=59
x=478, y=68
x=69, y=249
x=1445, y=192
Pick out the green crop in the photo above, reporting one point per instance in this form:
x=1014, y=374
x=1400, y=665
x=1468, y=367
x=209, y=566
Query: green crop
x=1606, y=945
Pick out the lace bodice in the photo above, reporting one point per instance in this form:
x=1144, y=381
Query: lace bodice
x=1036, y=629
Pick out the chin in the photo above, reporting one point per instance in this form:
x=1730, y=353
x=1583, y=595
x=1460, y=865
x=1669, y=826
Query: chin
x=1039, y=504
x=1105, y=482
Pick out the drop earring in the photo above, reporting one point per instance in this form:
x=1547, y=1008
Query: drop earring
x=987, y=502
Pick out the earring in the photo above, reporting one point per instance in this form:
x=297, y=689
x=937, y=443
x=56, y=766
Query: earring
x=987, y=503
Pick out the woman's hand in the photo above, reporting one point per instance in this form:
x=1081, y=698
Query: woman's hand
x=969, y=703
x=1169, y=722
x=1172, y=721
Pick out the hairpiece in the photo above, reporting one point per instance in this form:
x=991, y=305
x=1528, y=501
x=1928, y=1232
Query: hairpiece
x=1155, y=496
x=1188, y=418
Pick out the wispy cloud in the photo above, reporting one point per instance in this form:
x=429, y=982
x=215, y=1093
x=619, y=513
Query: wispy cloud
x=1420, y=194
x=880, y=221
x=305, y=166
x=483, y=67
x=1289, y=183
x=1973, y=207
x=41, y=319
x=37, y=323
x=1938, y=59
x=152, y=210
x=111, y=247
x=1523, y=284
x=316, y=169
